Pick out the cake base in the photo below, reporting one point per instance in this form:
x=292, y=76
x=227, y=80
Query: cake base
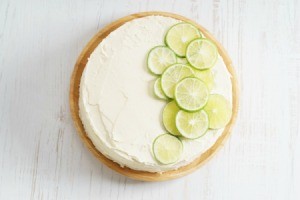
x=74, y=107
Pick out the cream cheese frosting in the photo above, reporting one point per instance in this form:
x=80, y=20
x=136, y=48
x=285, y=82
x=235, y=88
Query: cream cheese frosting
x=119, y=112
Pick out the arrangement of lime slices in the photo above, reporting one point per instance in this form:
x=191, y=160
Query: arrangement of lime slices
x=186, y=82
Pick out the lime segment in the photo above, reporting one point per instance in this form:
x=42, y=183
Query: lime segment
x=179, y=36
x=169, y=117
x=192, y=125
x=202, y=53
x=167, y=149
x=172, y=76
x=191, y=94
x=218, y=110
x=159, y=58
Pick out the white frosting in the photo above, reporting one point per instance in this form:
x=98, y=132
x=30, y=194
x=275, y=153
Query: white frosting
x=117, y=106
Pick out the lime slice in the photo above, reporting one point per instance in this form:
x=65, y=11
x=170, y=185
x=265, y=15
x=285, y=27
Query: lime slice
x=182, y=60
x=191, y=94
x=157, y=89
x=172, y=76
x=192, y=125
x=169, y=117
x=167, y=149
x=206, y=76
x=159, y=58
x=218, y=110
x=180, y=35
x=202, y=53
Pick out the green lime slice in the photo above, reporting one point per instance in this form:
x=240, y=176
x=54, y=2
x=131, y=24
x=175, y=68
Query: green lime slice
x=182, y=61
x=167, y=149
x=219, y=111
x=158, y=91
x=191, y=94
x=159, y=58
x=206, y=76
x=180, y=35
x=202, y=53
x=192, y=125
x=169, y=117
x=172, y=75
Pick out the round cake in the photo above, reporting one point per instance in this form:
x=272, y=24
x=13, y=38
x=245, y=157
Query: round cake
x=118, y=108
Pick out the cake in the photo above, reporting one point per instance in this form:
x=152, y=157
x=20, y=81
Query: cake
x=119, y=112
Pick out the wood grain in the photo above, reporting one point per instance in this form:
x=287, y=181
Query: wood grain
x=74, y=99
x=41, y=155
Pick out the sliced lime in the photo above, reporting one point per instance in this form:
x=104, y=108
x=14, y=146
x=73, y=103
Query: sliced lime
x=219, y=111
x=191, y=94
x=169, y=117
x=180, y=35
x=172, y=75
x=192, y=125
x=206, y=76
x=157, y=89
x=182, y=60
x=159, y=58
x=202, y=53
x=167, y=149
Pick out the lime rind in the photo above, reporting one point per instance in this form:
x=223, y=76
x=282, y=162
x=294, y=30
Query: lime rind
x=167, y=149
x=184, y=65
x=179, y=36
x=191, y=94
x=202, y=53
x=192, y=125
x=159, y=58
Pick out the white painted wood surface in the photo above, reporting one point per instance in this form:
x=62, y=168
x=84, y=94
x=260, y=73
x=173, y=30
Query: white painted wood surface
x=41, y=155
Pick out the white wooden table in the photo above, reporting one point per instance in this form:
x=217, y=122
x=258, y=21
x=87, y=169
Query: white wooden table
x=41, y=155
